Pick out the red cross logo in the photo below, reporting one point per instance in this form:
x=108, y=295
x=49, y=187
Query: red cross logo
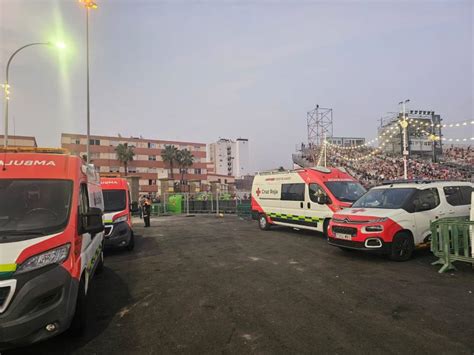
x=258, y=192
x=359, y=210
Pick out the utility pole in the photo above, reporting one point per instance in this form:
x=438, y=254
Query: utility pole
x=404, y=125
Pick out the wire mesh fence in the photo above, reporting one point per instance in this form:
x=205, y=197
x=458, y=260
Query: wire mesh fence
x=193, y=203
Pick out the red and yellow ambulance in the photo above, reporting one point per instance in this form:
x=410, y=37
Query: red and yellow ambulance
x=51, y=242
x=117, y=213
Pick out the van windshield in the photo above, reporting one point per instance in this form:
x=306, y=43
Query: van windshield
x=385, y=198
x=114, y=200
x=29, y=208
x=346, y=191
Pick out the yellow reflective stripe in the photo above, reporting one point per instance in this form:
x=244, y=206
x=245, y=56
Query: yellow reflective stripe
x=7, y=267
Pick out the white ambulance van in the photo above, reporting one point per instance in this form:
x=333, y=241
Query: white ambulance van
x=304, y=198
x=51, y=242
x=395, y=218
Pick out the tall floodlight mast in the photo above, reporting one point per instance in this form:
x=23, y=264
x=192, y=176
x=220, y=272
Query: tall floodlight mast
x=320, y=127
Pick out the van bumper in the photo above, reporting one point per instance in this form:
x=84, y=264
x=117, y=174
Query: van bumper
x=384, y=247
x=42, y=297
x=119, y=235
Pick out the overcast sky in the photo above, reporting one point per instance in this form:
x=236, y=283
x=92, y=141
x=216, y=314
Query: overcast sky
x=197, y=71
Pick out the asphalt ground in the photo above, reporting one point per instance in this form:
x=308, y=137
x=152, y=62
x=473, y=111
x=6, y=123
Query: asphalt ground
x=220, y=285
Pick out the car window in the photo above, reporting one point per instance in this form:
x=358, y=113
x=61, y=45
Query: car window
x=426, y=200
x=292, y=192
x=458, y=195
x=314, y=191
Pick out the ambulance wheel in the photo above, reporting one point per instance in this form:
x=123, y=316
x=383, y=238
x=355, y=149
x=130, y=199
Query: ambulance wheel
x=79, y=321
x=263, y=222
x=131, y=242
x=402, y=247
x=325, y=227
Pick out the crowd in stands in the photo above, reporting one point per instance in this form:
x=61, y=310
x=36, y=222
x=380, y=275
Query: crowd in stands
x=373, y=170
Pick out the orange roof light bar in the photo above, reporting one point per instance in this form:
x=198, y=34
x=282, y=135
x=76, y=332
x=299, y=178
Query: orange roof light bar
x=88, y=4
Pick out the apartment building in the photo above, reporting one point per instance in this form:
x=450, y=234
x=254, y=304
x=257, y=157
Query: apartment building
x=19, y=141
x=147, y=164
x=230, y=157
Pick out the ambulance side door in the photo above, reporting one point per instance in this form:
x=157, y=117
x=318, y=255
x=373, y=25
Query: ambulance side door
x=317, y=211
x=90, y=243
x=292, y=203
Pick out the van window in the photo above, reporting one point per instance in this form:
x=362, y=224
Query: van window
x=114, y=200
x=458, y=195
x=314, y=191
x=83, y=199
x=426, y=200
x=30, y=207
x=292, y=192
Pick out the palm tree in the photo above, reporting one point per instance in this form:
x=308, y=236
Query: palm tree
x=185, y=159
x=170, y=155
x=124, y=155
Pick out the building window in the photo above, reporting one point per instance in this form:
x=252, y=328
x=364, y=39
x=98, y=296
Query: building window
x=94, y=141
x=151, y=145
x=95, y=155
x=77, y=141
x=152, y=157
x=114, y=169
x=132, y=169
x=197, y=171
x=151, y=182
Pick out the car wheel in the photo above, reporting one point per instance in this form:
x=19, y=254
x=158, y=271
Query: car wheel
x=402, y=247
x=79, y=321
x=131, y=242
x=263, y=222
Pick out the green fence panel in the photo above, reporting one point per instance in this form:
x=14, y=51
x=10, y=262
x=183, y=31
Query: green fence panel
x=175, y=204
x=451, y=241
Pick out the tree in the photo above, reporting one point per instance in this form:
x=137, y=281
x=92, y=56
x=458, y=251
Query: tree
x=170, y=155
x=185, y=159
x=124, y=155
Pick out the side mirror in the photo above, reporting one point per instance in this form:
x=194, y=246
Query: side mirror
x=92, y=221
x=322, y=199
x=134, y=207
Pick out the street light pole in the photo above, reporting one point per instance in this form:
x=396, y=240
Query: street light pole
x=88, y=4
x=404, y=125
x=6, y=86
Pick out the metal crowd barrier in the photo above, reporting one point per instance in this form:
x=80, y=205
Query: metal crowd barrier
x=244, y=210
x=451, y=240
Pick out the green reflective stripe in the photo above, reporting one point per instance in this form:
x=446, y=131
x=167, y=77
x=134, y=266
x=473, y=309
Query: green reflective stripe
x=108, y=222
x=7, y=267
x=295, y=217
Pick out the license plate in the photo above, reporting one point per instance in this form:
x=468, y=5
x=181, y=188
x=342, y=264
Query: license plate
x=343, y=236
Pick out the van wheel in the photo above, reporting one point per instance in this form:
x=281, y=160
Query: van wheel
x=263, y=222
x=79, y=321
x=402, y=247
x=131, y=242
x=325, y=227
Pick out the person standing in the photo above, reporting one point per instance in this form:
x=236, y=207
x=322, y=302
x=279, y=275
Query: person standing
x=147, y=212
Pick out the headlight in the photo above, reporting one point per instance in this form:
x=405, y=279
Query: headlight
x=374, y=228
x=53, y=256
x=121, y=219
